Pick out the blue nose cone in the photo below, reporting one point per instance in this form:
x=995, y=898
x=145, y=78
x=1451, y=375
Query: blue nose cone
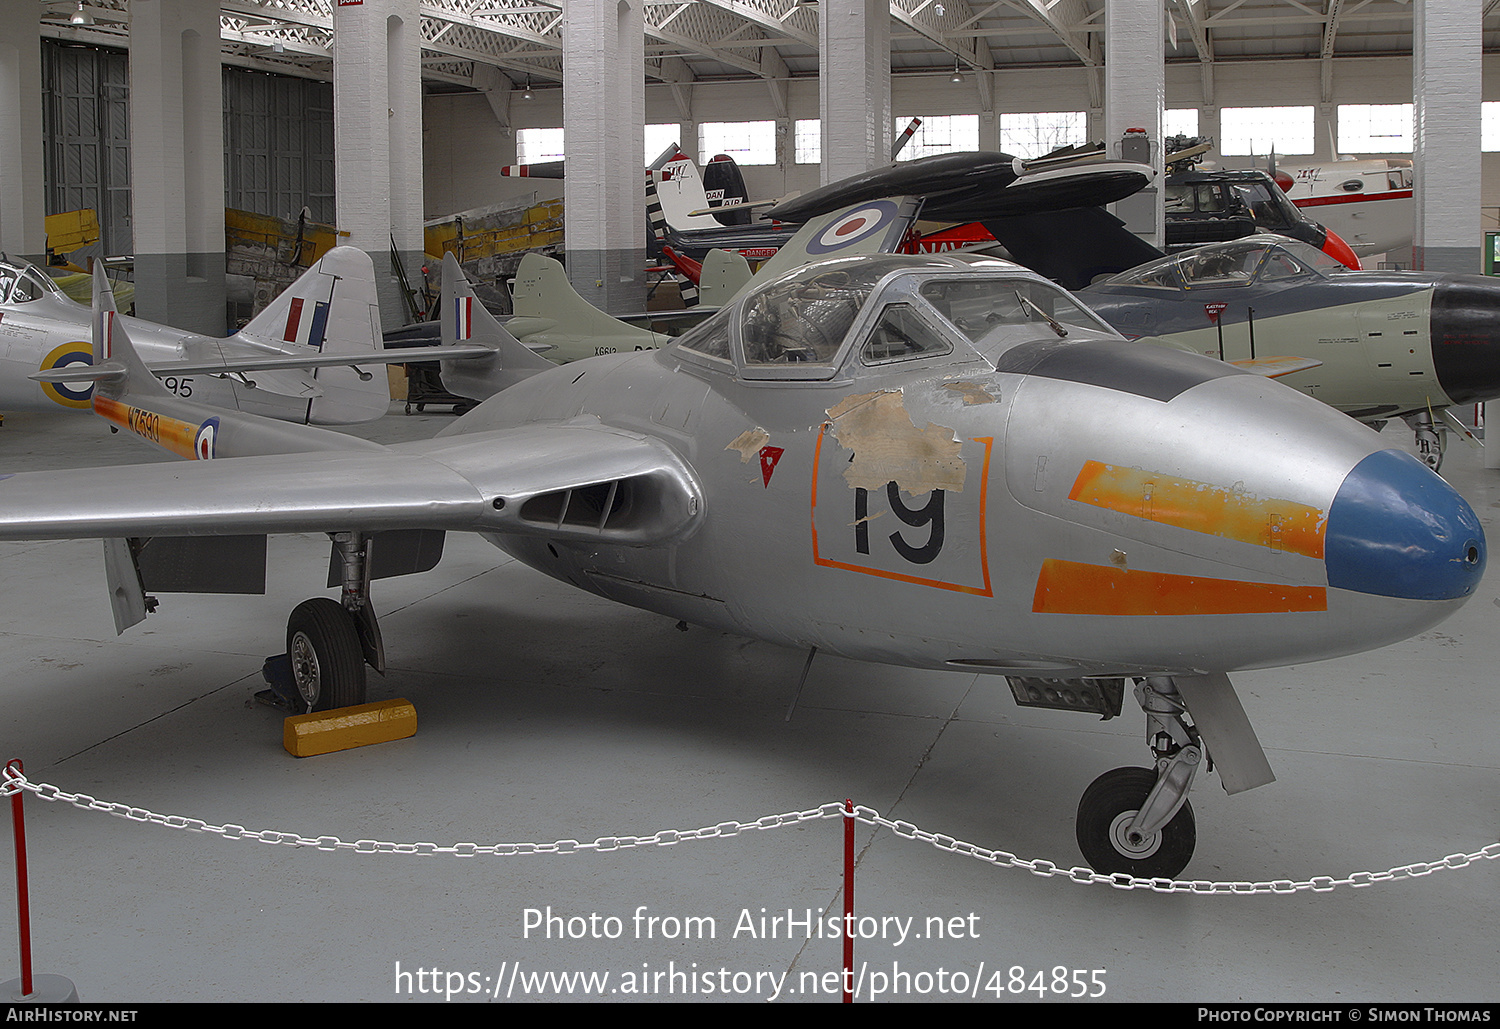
x=1397, y=530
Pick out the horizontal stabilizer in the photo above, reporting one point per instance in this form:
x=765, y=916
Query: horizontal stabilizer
x=404, y=355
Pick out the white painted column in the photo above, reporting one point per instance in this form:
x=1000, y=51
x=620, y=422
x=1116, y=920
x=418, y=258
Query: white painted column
x=23, y=202
x=854, y=86
x=1446, y=83
x=377, y=139
x=604, y=135
x=1135, y=91
x=177, y=163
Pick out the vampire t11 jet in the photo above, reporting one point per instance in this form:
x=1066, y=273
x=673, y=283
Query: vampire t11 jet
x=940, y=462
x=1383, y=345
x=301, y=359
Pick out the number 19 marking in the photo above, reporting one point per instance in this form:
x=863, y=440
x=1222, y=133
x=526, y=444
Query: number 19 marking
x=929, y=514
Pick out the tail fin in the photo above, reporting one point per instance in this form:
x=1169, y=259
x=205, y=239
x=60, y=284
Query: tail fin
x=118, y=368
x=132, y=398
x=542, y=290
x=679, y=191
x=331, y=309
x=464, y=319
x=723, y=182
x=724, y=274
x=872, y=227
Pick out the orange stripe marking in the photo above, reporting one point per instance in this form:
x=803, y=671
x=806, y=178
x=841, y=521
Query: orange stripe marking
x=1202, y=507
x=985, y=590
x=1071, y=588
x=166, y=432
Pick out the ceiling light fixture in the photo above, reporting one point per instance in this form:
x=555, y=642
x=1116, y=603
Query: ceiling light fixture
x=957, y=75
x=80, y=16
x=528, y=94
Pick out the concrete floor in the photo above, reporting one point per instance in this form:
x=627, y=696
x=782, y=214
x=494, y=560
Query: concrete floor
x=548, y=714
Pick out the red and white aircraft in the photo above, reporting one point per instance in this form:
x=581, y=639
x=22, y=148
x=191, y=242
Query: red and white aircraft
x=1367, y=202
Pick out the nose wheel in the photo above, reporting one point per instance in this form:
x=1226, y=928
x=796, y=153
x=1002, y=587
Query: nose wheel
x=1110, y=840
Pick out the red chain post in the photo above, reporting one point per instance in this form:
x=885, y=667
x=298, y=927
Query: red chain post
x=848, y=901
x=23, y=904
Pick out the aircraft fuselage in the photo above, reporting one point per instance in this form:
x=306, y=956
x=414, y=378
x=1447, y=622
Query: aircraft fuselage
x=1047, y=516
x=1390, y=343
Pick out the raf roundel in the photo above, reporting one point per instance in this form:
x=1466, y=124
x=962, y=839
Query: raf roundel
x=78, y=395
x=853, y=227
x=203, y=442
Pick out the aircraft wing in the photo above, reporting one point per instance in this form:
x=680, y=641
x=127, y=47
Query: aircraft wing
x=577, y=480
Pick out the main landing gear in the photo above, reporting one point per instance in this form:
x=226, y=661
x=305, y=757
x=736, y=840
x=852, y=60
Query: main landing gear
x=329, y=642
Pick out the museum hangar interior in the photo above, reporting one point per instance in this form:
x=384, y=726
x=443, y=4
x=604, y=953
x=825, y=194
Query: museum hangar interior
x=551, y=716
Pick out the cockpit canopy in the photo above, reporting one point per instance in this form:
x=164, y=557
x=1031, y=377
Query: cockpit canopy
x=20, y=282
x=887, y=308
x=1263, y=259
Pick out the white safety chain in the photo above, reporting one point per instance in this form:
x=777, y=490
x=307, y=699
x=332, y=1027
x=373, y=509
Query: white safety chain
x=15, y=782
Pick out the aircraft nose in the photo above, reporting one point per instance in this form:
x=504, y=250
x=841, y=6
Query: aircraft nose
x=1465, y=338
x=1396, y=529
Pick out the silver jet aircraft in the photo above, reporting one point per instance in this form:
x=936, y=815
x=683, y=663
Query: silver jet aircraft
x=301, y=359
x=935, y=461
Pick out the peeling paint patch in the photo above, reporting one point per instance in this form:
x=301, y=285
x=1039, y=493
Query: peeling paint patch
x=748, y=443
x=888, y=447
x=972, y=392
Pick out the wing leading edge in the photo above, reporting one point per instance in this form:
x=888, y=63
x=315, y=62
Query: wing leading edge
x=579, y=481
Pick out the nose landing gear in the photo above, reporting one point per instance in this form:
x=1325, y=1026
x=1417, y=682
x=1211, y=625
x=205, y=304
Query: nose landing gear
x=1429, y=439
x=1111, y=842
x=1138, y=820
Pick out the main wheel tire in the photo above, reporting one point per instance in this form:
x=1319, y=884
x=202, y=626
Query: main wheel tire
x=328, y=663
x=1105, y=812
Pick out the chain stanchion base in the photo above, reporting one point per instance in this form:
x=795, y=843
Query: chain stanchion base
x=46, y=989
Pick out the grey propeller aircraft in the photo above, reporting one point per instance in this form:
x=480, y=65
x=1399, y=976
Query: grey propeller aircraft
x=301, y=359
x=1375, y=345
x=935, y=461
